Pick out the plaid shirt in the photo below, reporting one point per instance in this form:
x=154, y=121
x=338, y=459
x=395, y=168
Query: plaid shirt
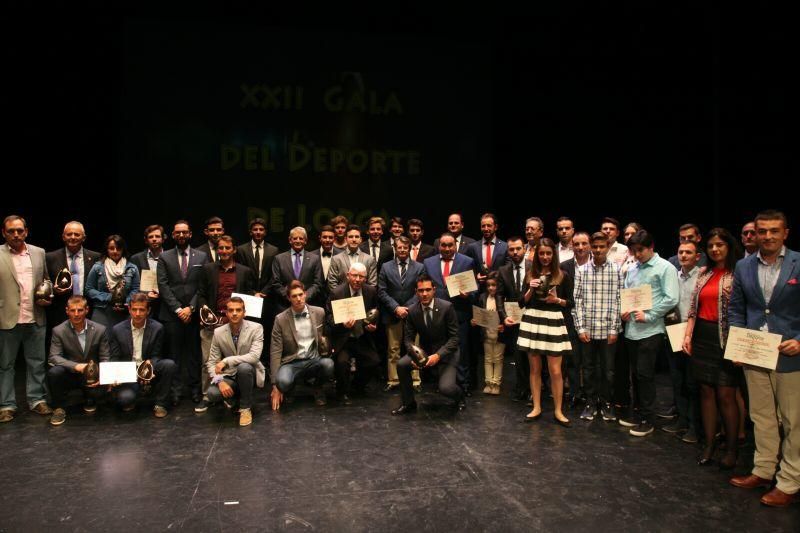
x=596, y=294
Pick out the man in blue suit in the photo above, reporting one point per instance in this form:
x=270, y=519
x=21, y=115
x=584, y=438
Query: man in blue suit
x=439, y=267
x=397, y=284
x=766, y=297
x=489, y=252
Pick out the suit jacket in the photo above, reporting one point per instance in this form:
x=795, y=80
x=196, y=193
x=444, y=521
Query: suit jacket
x=339, y=334
x=283, y=344
x=140, y=260
x=392, y=292
x=120, y=341
x=175, y=291
x=781, y=314
x=340, y=264
x=462, y=245
x=441, y=337
x=283, y=274
x=385, y=252
x=461, y=263
x=425, y=251
x=507, y=287
x=56, y=262
x=499, y=254
x=65, y=348
x=9, y=288
x=246, y=350
x=206, y=249
x=208, y=283
x=244, y=256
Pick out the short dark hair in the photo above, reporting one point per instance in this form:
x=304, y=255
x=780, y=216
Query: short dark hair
x=340, y=219
x=446, y=234
x=295, y=284
x=352, y=227
x=641, y=238
x=610, y=220
x=256, y=221
x=690, y=225
x=226, y=238
x=596, y=236
x=416, y=222
x=693, y=243
x=489, y=215
x=119, y=241
x=153, y=227
x=213, y=220
x=326, y=227
x=515, y=238
x=425, y=277
x=140, y=298
x=772, y=214
x=398, y=220
x=235, y=299
x=494, y=275
x=12, y=218
x=563, y=219
x=182, y=221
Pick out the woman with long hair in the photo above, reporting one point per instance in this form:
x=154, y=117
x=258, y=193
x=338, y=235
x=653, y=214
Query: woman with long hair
x=111, y=282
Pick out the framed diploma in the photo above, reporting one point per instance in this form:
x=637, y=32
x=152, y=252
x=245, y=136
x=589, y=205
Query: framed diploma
x=676, y=333
x=485, y=318
x=252, y=304
x=149, y=281
x=638, y=298
x=514, y=311
x=117, y=372
x=461, y=282
x=348, y=309
x=753, y=347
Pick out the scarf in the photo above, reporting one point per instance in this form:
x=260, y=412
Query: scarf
x=115, y=272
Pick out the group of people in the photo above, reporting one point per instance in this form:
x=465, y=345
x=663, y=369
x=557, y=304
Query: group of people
x=557, y=308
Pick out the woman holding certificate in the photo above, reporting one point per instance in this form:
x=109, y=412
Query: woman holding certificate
x=543, y=330
x=706, y=334
x=111, y=282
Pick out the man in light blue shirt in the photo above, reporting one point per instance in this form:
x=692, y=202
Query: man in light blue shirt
x=644, y=329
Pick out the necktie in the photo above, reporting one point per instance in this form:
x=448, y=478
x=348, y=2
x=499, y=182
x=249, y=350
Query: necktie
x=184, y=264
x=414, y=252
x=297, y=265
x=428, y=316
x=301, y=315
x=327, y=254
x=446, y=270
x=375, y=252
x=516, y=277
x=402, y=271
x=258, y=261
x=76, y=275
x=489, y=254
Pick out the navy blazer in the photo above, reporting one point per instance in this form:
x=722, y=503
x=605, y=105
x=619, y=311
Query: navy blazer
x=121, y=341
x=499, y=254
x=176, y=292
x=392, y=293
x=747, y=308
x=461, y=263
x=442, y=335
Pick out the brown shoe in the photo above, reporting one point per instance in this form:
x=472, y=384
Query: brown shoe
x=319, y=397
x=777, y=498
x=58, y=418
x=750, y=481
x=6, y=415
x=42, y=408
x=159, y=412
x=245, y=417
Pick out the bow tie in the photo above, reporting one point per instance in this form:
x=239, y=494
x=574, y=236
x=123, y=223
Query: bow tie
x=327, y=254
x=301, y=315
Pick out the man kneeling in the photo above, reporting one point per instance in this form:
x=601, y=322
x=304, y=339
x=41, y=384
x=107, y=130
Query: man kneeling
x=234, y=364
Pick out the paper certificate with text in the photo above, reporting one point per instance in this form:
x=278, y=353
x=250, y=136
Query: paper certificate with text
x=461, y=282
x=636, y=299
x=485, y=318
x=348, y=309
x=752, y=347
x=514, y=311
x=117, y=372
x=149, y=281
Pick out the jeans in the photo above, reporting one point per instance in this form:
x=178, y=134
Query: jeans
x=598, y=370
x=289, y=373
x=685, y=390
x=643, y=354
x=164, y=369
x=31, y=338
x=242, y=383
x=62, y=380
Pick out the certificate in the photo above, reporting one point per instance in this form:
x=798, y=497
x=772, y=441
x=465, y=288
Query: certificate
x=676, y=333
x=117, y=372
x=461, y=282
x=252, y=304
x=514, y=311
x=149, y=281
x=485, y=318
x=348, y=309
x=753, y=347
x=636, y=299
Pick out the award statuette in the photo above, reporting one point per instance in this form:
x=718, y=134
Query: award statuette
x=372, y=317
x=418, y=355
x=43, y=294
x=483, y=270
x=63, y=280
x=208, y=318
x=91, y=373
x=145, y=373
x=541, y=291
x=118, y=296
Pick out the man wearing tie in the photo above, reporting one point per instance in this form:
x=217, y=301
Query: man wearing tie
x=296, y=264
x=419, y=250
x=326, y=249
x=455, y=226
x=489, y=252
x=434, y=321
x=258, y=255
x=380, y=251
x=215, y=228
x=512, y=279
x=340, y=264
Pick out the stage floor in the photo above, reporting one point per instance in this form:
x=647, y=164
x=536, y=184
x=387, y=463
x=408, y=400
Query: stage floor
x=357, y=468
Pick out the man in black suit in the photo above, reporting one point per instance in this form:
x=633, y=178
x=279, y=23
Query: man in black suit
x=435, y=322
x=178, y=275
x=512, y=284
x=142, y=339
x=419, y=251
x=296, y=264
x=215, y=228
x=147, y=259
x=75, y=258
x=326, y=249
x=217, y=282
x=455, y=225
x=380, y=251
x=353, y=338
x=689, y=233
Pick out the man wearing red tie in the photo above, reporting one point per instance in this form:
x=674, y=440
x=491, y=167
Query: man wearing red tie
x=489, y=253
x=419, y=250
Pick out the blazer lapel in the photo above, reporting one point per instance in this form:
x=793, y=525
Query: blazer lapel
x=756, y=285
x=787, y=269
x=6, y=257
x=129, y=337
x=90, y=333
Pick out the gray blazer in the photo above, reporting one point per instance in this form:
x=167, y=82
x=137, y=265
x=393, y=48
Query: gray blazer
x=283, y=344
x=247, y=350
x=9, y=288
x=340, y=264
x=65, y=348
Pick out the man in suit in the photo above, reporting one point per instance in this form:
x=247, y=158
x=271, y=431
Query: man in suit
x=326, y=250
x=22, y=322
x=434, y=320
x=297, y=348
x=397, y=228
x=218, y=281
x=214, y=229
x=380, y=251
x=419, y=251
x=353, y=338
x=75, y=342
x=75, y=258
x=142, y=339
x=147, y=259
x=179, y=272
x=340, y=264
x=258, y=255
x=439, y=267
x=579, y=249
x=689, y=233
x=234, y=365
x=397, y=284
x=512, y=283
x=455, y=226
x=488, y=253
x=766, y=297
x=296, y=264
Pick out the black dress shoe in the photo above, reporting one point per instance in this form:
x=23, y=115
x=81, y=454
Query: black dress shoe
x=390, y=387
x=405, y=409
x=562, y=423
x=534, y=418
x=196, y=397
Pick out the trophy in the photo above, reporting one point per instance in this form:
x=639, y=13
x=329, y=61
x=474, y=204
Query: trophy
x=145, y=372
x=118, y=296
x=372, y=317
x=43, y=294
x=63, y=280
x=541, y=291
x=483, y=270
x=418, y=355
x=208, y=318
x=324, y=346
x=91, y=373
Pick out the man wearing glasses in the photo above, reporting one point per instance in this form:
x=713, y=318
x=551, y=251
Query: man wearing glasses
x=749, y=241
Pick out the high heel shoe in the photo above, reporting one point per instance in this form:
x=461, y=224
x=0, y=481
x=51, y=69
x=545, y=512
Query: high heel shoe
x=707, y=459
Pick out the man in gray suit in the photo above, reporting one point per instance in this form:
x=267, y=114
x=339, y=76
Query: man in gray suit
x=340, y=264
x=234, y=362
x=22, y=322
x=297, y=348
x=296, y=264
x=75, y=342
